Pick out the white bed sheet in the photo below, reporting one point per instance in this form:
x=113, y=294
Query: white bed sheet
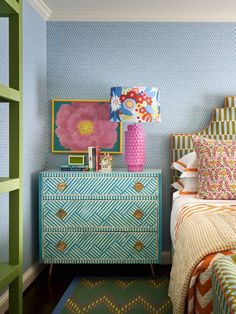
x=180, y=200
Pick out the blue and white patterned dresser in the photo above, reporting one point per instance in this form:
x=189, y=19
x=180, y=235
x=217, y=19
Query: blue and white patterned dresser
x=95, y=217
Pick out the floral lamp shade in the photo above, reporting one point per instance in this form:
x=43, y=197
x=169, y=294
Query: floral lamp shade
x=135, y=105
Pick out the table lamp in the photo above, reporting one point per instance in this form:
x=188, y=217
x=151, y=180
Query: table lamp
x=135, y=105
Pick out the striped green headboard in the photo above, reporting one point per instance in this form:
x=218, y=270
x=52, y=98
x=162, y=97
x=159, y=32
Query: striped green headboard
x=222, y=126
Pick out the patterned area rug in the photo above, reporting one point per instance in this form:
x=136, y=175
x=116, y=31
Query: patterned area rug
x=114, y=295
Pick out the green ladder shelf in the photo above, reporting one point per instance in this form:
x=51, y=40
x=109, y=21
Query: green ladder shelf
x=11, y=273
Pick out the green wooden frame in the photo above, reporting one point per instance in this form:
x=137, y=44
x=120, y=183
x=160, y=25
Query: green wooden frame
x=11, y=272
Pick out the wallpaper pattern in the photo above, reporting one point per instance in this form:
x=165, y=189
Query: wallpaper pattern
x=193, y=64
x=34, y=124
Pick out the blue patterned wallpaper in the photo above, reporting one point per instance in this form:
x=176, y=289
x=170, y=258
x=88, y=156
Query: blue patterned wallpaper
x=193, y=64
x=34, y=124
x=34, y=128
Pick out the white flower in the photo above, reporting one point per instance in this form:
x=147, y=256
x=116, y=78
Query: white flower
x=115, y=103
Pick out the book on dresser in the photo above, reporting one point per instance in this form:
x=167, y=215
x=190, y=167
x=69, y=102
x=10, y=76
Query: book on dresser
x=100, y=217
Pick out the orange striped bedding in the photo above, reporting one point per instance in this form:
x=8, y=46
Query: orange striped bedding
x=200, y=287
x=190, y=210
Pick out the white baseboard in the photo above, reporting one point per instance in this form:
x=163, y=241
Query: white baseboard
x=28, y=277
x=166, y=258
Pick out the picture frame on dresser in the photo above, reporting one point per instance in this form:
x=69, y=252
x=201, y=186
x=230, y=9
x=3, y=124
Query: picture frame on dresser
x=78, y=124
x=119, y=215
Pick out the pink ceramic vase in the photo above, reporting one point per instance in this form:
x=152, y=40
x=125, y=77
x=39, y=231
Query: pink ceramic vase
x=135, y=147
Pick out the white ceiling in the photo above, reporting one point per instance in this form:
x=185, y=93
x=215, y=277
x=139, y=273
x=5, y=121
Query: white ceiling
x=141, y=10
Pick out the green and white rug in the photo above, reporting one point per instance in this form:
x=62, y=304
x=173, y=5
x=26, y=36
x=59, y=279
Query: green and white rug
x=114, y=295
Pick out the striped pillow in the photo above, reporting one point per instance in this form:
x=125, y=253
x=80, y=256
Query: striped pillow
x=186, y=186
x=217, y=168
x=188, y=165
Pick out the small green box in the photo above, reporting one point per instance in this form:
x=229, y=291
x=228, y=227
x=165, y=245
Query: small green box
x=78, y=160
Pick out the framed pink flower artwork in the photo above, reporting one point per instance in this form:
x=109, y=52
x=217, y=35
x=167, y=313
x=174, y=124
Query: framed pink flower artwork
x=77, y=124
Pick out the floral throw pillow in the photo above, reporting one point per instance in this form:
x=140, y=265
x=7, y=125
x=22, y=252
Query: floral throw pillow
x=217, y=168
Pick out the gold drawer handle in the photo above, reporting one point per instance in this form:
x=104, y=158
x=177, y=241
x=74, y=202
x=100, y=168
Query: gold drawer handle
x=61, y=214
x=61, y=246
x=61, y=186
x=138, y=246
x=138, y=214
x=138, y=186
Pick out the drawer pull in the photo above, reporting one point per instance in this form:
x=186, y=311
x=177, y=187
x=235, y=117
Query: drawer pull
x=61, y=186
x=61, y=214
x=138, y=246
x=138, y=186
x=138, y=214
x=61, y=246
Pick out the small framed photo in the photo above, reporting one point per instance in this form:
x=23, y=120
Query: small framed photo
x=106, y=163
x=78, y=124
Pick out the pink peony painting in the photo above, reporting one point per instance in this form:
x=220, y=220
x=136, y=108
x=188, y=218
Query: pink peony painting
x=79, y=124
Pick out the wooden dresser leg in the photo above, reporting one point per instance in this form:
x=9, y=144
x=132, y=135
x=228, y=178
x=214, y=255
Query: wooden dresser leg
x=153, y=271
x=50, y=271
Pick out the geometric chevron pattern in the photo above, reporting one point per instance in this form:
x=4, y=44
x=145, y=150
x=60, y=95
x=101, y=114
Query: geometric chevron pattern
x=224, y=285
x=222, y=126
x=100, y=247
x=199, y=298
x=97, y=186
x=200, y=287
x=94, y=217
x=99, y=214
x=112, y=295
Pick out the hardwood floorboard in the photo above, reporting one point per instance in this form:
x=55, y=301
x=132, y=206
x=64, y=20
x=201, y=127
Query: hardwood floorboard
x=43, y=294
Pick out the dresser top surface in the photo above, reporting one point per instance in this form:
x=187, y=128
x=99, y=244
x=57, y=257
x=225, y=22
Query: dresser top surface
x=117, y=172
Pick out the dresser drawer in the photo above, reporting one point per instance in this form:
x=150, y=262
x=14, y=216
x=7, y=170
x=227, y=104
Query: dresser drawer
x=100, y=247
x=99, y=213
x=77, y=186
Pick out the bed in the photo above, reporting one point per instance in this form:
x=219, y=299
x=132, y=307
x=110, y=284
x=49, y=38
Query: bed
x=202, y=230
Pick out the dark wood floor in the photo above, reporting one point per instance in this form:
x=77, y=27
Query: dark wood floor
x=43, y=295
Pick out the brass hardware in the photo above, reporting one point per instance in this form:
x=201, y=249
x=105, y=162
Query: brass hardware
x=61, y=214
x=138, y=214
x=138, y=186
x=138, y=246
x=61, y=246
x=61, y=186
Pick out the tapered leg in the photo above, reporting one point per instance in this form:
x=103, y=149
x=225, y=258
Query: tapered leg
x=153, y=271
x=50, y=271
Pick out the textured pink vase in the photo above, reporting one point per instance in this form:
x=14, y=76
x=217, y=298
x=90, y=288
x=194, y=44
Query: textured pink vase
x=135, y=147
